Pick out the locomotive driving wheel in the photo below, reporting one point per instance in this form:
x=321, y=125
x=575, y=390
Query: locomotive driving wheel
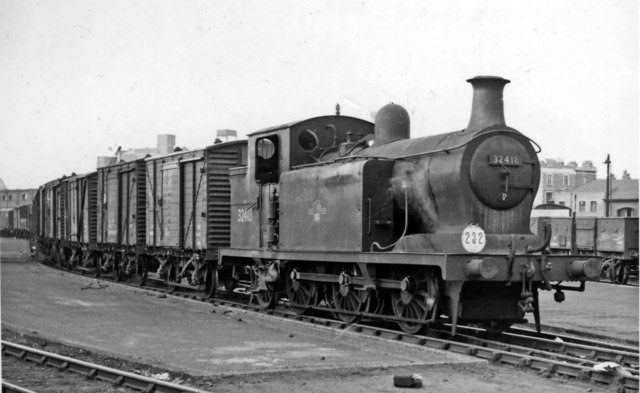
x=210, y=280
x=266, y=297
x=344, y=296
x=301, y=293
x=417, y=299
x=264, y=279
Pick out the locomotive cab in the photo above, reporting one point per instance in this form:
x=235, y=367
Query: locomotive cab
x=273, y=152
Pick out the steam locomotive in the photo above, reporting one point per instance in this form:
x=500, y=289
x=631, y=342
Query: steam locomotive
x=335, y=214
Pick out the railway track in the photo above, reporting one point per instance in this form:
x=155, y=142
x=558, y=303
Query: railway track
x=93, y=371
x=591, y=351
x=547, y=353
x=8, y=387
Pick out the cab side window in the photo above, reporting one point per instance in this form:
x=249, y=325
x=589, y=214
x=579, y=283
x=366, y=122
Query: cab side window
x=267, y=157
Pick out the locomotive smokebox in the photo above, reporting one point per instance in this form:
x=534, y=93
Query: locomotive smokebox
x=391, y=124
x=487, y=108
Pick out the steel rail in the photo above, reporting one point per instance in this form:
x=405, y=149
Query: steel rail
x=597, y=351
x=556, y=344
x=8, y=387
x=572, y=336
x=94, y=371
x=531, y=348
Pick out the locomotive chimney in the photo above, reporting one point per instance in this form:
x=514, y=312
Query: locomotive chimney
x=392, y=123
x=487, y=108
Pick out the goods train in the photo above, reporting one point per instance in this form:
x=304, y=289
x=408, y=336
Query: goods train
x=333, y=213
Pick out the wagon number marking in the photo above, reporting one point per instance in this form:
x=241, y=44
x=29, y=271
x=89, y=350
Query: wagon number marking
x=245, y=215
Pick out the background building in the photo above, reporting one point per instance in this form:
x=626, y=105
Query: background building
x=166, y=145
x=589, y=200
x=576, y=188
x=10, y=200
x=557, y=180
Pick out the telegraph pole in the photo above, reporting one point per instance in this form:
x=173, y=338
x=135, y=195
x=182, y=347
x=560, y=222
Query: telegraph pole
x=607, y=196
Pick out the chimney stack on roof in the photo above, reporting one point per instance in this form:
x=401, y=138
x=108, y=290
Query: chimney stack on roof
x=166, y=143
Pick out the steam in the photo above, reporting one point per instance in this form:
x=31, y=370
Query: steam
x=414, y=177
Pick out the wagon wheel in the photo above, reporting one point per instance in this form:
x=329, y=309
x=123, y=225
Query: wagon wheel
x=82, y=260
x=116, y=268
x=66, y=262
x=75, y=258
x=606, y=269
x=97, y=265
x=619, y=272
x=301, y=293
x=170, y=280
x=141, y=271
x=210, y=281
x=417, y=299
x=56, y=256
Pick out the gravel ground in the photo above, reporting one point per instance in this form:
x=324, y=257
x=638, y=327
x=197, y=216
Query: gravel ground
x=447, y=378
x=604, y=309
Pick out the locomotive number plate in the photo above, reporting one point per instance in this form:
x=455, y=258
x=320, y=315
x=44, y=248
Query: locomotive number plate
x=473, y=239
x=506, y=160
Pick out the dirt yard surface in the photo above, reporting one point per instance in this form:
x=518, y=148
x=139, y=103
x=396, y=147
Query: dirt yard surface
x=605, y=309
x=452, y=378
x=98, y=326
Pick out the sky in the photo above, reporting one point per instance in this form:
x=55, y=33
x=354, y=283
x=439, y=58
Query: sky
x=78, y=78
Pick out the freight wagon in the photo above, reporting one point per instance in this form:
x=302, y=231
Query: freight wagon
x=188, y=214
x=615, y=240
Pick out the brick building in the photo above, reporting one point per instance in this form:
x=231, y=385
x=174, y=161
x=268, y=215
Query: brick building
x=10, y=200
x=558, y=179
x=589, y=199
x=576, y=187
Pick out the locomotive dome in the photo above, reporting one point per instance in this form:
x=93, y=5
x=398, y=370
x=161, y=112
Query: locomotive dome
x=392, y=123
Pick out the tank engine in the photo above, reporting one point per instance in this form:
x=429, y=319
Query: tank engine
x=360, y=218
